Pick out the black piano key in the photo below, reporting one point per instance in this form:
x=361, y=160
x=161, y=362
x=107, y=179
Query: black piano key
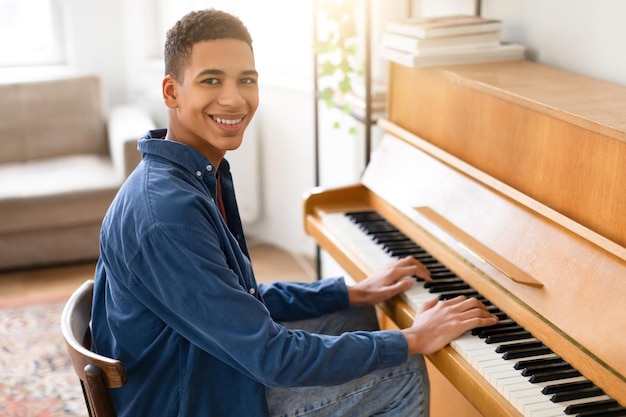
x=405, y=250
x=453, y=294
x=519, y=346
x=399, y=245
x=553, y=376
x=440, y=284
x=576, y=394
x=508, y=337
x=526, y=353
x=401, y=252
x=500, y=315
x=377, y=227
x=618, y=411
x=500, y=324
x=566, y=386
x=531, y=370
x=369, y=220
x=423, y=258
x=439, y=269
x=431, y=266
x=493, y=309
x=499, y=331
x=360, y=216
x=436, y=287
x=392, y=241
x=393, y=237
x=591, y=407
x=540, y=361
x=438, y=281
x=437, y=275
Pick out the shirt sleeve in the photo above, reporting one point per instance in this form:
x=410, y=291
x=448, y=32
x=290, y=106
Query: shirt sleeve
x=195, y=289
x=297, y=301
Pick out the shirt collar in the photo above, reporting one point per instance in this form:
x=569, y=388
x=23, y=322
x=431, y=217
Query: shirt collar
x=154, y=143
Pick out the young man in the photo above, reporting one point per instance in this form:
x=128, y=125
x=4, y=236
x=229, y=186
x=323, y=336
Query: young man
x=175, y=297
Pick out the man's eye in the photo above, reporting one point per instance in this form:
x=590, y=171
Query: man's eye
x=247, y=81
x=211, y=81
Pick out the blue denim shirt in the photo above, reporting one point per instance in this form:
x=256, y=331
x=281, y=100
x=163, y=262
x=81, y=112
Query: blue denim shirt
x=177, y=302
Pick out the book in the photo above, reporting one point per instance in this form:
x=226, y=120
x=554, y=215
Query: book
x=378, y=89
x=502, y=52
x=432, y=27
x=356, y=102
x=446, y=43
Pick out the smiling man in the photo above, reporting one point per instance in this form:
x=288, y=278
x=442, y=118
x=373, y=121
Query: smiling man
x=175, y=296
x=211, y=105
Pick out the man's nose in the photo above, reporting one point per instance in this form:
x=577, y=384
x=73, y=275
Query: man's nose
x=231, y=95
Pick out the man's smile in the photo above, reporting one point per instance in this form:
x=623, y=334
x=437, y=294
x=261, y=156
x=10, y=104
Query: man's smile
x=227, y=121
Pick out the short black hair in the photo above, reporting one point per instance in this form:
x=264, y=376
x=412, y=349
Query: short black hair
x=198, y=26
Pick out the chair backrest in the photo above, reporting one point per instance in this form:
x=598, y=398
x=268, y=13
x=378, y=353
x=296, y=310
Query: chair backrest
x=97, y=373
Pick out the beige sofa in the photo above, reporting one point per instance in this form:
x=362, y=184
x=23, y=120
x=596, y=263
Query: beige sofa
x=62, y=158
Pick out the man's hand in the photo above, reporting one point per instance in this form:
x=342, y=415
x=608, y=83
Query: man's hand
x=387, y=282
x=440, y=322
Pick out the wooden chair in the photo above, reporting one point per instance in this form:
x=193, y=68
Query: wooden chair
x=97, y=373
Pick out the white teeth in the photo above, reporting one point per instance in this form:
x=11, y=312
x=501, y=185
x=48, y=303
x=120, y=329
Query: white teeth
x=228, y=121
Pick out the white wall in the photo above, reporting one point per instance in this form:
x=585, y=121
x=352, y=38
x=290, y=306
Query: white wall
x=576, y=35
x=579, y=36
x=113, y=38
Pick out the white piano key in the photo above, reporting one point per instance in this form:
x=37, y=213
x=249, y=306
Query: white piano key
x=519, y=389
x=368, y=250
x=519, y=397
x=563, y=405
x=497, y=368
x=546, y=407
x=468, y=342
x=497, y=379
x=487, y=363
x=532, y=409
x=526, y=397
x=417, y=296
x=527, y=401
x=549, y=412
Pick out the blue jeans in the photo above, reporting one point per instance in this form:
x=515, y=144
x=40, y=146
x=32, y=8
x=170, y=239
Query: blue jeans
x=398, y=392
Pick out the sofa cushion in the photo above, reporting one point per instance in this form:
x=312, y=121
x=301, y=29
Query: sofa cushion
x=41, y=119
x=55, y=192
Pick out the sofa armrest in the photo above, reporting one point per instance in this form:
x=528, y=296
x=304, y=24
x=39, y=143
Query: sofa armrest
x=127, y=123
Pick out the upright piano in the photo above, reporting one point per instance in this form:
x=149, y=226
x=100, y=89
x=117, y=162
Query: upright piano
x=508, y=180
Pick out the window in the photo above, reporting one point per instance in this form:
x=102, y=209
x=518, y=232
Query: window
x=31, y=32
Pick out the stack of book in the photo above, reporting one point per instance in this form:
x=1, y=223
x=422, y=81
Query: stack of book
x=356, y=102
x=446, y=40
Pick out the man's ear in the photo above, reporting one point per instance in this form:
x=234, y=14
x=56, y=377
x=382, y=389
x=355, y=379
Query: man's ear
x=169, y=88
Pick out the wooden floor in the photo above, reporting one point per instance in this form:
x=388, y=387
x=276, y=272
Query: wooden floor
x=270, y=264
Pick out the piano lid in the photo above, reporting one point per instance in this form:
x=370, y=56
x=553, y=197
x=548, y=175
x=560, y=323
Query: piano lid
x=555, y=137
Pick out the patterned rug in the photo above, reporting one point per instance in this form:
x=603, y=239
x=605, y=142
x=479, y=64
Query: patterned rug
x=36, y=376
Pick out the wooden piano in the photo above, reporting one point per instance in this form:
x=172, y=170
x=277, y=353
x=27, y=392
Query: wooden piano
x=511, y=176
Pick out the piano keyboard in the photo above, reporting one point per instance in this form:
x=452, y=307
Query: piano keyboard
x=536, y=381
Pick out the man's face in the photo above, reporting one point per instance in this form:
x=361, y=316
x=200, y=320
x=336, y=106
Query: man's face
x=215, y=103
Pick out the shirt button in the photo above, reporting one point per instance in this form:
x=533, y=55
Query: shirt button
x=209, y=167
x=252, y=291
x=198, y=173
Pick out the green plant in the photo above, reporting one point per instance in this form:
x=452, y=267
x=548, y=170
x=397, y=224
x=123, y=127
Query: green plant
x=336, y=48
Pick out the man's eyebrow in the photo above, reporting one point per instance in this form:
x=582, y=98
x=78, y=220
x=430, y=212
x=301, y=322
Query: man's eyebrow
x=210, y=72
x=220, y=72
x=250, y=72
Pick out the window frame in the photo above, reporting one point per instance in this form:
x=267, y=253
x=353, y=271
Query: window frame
x=55, y=54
